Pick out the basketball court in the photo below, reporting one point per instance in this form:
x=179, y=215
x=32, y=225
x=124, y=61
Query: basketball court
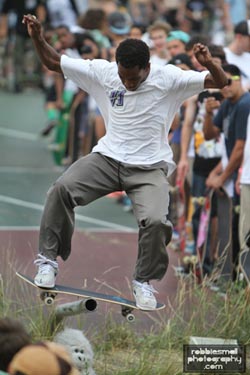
x=105, y=240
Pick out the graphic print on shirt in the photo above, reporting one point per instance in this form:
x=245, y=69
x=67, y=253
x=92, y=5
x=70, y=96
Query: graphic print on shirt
x=226, y=123
x=204, y=148
x=117, y=98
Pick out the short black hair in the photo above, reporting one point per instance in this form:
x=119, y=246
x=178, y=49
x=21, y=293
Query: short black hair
x=217, y=51
x=181, y=58
x=132, y=52
x=242, y=28
x=13, y=337
x=198, y=38
x=63, y=26
x=232, y=69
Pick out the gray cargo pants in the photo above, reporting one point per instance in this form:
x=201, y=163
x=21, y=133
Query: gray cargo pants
x=94, y=176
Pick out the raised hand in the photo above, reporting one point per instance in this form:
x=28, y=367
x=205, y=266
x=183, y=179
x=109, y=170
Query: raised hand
x=202, y=54
x=212, y=104
x=34, y=27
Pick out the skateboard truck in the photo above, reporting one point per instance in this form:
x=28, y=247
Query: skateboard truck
x=127, y=313
x=48, y=298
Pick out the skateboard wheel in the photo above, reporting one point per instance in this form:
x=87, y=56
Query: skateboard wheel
x=47, y=298
x=127, y=313
x=130, y=318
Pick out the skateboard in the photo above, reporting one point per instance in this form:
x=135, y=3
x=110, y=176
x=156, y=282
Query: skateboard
x=189, y=259
x=48, y=297
x=59, y=146
x=193, y=260
x=244, y=260
x=202, y=247
x=223, y=269
x=181, y=213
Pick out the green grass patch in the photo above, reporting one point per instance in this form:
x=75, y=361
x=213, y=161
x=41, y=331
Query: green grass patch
x=121, y=349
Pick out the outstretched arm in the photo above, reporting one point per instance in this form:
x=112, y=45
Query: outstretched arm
x=217, y=77
x=47, y=54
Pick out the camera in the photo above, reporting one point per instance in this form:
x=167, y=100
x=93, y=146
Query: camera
x=84, y=49
x=217, y=96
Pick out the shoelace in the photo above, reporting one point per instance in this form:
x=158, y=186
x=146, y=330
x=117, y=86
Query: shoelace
x=148, y=289
x=44, y=264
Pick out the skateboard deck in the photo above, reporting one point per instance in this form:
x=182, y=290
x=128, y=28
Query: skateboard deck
x=48, y=295
x=244, y=260
x=60, y=143
x=189, y=258
x=61, y=137
x=181, y=212
x=223, y=270
x=202, y=247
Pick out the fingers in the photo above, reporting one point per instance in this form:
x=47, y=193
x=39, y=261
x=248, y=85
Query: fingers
x=200, y=48
x=29, y=18
x=211, y=104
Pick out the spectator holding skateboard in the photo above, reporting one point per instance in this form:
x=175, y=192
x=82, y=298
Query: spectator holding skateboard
x=231, y=119
x=138, y=102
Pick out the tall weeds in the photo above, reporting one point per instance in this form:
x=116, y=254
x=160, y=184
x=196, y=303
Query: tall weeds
x=120, y=348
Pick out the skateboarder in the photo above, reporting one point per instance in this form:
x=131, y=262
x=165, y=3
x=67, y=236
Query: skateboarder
x=138, y=103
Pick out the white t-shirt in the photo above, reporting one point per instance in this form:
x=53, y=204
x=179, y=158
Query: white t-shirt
x=137, y=122
x=243, y=63
x=245, y=176
x=154, y=59
x=61, y=12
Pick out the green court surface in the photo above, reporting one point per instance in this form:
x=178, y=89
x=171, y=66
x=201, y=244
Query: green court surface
x=27, y=170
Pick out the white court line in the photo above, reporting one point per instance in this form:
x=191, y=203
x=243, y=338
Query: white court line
x=19, y=134
x=86, y=219
x=79, y=230
x=53, y=169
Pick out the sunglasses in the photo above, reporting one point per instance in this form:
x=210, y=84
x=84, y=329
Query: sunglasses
x=232, y=79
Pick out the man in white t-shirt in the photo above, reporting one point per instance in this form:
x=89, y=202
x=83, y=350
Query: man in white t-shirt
x=138, y=103
x=62, y=12
x=237, y=52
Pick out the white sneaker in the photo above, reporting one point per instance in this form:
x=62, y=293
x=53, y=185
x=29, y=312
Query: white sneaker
x=144, y=295
x=47, y=271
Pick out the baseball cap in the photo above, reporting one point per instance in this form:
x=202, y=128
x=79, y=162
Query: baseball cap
x=119, y=23
x=181, y=58
x=178, y=35
x=42, y=358
x=243, y=28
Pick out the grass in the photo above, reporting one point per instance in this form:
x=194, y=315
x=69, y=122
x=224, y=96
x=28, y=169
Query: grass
x=122, y=350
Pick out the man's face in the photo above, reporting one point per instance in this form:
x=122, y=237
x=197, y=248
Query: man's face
x=245, y=43
x=132, y=77
x=135, y=33
x=65, y=37
x=158, y=38
x=231, y=91
x=175, y=47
